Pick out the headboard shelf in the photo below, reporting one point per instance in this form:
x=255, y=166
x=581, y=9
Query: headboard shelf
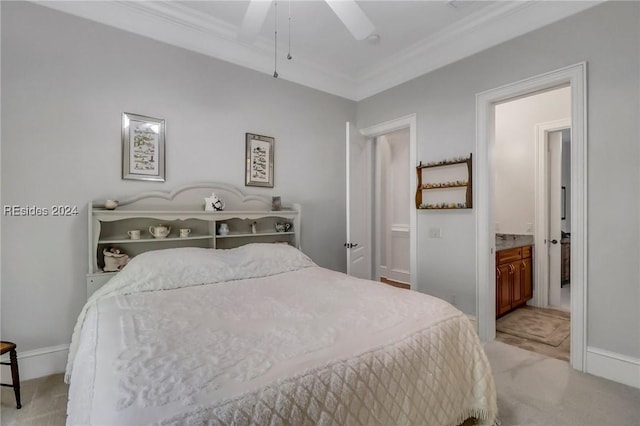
x=248, y=219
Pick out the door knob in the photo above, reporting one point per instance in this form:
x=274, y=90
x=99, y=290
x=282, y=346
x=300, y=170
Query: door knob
x=350, y=245
x=554, y=241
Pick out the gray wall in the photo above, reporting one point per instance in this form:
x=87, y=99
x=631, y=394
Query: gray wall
x=66, y=82
x=607, y=37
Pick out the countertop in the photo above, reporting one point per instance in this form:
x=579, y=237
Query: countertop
x=509, y=241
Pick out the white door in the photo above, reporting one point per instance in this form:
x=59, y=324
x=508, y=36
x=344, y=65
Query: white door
x=359, y=185
x=393, y=206
x=555, y=215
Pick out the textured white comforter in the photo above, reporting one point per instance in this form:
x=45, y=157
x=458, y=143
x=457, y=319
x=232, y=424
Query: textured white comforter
x=299, y=345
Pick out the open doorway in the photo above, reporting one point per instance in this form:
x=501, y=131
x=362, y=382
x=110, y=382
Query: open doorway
x=365, y=225
x=527, y=205
x=557, y=277
x=575, y=77
x=392, y=200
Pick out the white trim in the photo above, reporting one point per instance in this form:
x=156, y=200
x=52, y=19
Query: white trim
x=378, y=269
x=400, y=228
x=541, y=225
x=38, y=363
x=180, y=25
x=575, y=76
x=388, y=127
x=486, y=28
x=613, y=366
x=348, y=193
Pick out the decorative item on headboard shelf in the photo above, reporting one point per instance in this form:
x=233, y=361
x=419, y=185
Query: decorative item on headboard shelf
x=111, y=204
x=114, y=259
x=276, y=203
x=213, y=203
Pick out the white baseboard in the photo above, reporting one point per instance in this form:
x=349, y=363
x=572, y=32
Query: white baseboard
x=52, y=360
x=613, y=366
x=38, y=363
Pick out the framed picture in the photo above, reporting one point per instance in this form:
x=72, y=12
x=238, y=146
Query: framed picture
x=142, y=147
x=259, y=161
x=564, y=203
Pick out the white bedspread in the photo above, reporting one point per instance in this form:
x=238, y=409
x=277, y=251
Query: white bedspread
x=306, y=346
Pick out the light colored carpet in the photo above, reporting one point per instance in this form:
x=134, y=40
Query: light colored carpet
x=547, y=326
x=44, y=403
x=537, y=390
x=532, y=390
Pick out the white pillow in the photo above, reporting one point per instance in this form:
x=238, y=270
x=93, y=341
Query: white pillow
x=183, y=267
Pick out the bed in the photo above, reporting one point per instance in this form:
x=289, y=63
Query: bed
x=261, y=335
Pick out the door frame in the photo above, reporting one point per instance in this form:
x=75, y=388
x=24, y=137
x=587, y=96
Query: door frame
x=576, y=77
x=541, y=218
x=371, y=132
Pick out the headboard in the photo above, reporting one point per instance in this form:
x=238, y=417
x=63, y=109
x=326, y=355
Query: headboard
x=246, y=219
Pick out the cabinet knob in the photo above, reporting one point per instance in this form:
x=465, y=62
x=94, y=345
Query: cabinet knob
x=554, y=241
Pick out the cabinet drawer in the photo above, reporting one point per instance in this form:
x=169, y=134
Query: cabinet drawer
x=508, y=255
x=526, y=252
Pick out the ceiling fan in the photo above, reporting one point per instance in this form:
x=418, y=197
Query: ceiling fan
x=347, y=11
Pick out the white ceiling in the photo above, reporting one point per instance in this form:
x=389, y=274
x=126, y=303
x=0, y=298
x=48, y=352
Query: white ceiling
x=415, y=36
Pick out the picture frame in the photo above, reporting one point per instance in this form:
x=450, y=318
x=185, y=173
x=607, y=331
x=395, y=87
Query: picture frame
x=143, y=147
x=259, y=165
x=564, y=203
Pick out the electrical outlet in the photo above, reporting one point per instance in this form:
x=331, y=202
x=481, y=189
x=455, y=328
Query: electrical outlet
x=435, y=233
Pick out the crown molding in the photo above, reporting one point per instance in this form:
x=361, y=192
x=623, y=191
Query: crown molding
x=181, y=26
x=484, y=29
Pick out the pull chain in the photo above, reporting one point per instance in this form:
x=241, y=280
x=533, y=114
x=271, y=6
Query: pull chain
x=289, y=57
x=275, y=54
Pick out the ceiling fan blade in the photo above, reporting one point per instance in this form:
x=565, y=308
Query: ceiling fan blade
x=352, y=17
x=253, y=20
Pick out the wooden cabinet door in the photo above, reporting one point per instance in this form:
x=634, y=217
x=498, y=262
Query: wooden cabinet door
x=504, y=280
x=517, y=296
x=527, y=279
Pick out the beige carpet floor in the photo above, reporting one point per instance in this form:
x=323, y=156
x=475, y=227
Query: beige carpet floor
x=532, y=390
x=44, y=403
x=544, y=331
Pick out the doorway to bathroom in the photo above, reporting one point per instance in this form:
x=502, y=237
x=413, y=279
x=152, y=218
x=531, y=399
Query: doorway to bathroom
x=528, y=217
x=573, y=77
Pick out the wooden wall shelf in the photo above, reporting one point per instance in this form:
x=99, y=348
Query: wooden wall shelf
x=463, y=179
